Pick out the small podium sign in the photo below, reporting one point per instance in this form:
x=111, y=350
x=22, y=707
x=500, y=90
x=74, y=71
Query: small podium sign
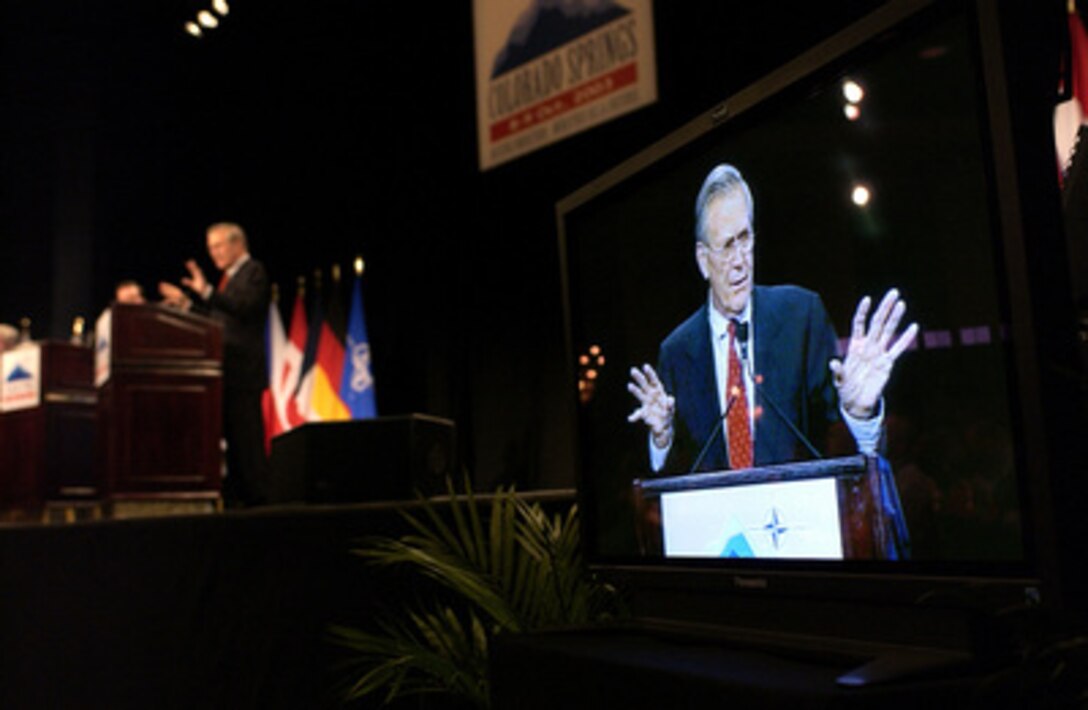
x=102, y=331
x=21, y=384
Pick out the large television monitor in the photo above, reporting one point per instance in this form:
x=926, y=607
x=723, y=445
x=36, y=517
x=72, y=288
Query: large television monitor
x=890, y=156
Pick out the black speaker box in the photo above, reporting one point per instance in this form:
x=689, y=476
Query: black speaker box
x=386, y=458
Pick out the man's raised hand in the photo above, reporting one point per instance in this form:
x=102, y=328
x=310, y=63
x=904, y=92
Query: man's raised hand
x=861, y=377
x=656, y=406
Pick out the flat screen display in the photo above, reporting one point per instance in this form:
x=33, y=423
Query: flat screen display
x=872, y=175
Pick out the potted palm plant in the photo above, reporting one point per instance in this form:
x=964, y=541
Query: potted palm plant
x=502, y=565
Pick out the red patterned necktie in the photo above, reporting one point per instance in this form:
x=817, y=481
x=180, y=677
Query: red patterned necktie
x=738, y=430
x=223, y=282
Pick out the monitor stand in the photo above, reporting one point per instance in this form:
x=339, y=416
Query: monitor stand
x=903, y=663
x=870, y=662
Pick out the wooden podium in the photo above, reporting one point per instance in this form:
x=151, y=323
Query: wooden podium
x=841, y=508
x=159, y=374
x=47, y=428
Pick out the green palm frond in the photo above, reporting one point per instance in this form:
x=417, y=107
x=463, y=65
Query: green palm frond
x=435, y=653
x=509, y=568
x=446, y=567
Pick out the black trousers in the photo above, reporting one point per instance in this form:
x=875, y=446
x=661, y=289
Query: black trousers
x=246, y=482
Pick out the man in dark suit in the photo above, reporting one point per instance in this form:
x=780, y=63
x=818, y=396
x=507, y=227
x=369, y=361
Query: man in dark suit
x=240, y=303
x=751, y=377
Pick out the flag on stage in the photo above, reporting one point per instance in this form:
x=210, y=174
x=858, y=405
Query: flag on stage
x=291, y=368
x=1071, y=115
x=357, y=383
x=275, y=342
x=329, y=362
x=307, y=371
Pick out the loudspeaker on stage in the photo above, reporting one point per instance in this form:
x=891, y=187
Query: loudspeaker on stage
x=385, y=458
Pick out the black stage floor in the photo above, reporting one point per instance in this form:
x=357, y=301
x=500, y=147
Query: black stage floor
x=224, y=610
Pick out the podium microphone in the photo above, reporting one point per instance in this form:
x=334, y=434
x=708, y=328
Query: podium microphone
x=742, y=338
x=715, y=432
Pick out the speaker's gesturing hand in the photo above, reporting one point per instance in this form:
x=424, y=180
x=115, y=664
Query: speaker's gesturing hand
x=656, y=406
x=861, y=376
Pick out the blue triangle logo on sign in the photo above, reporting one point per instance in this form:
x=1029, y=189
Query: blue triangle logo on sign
x=18, y=374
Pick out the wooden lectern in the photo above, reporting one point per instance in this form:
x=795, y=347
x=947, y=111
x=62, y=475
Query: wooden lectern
x=841, y=508
x=47, y=427
x=159, y=374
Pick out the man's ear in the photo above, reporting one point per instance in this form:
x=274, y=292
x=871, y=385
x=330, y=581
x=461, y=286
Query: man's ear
x=702, y=258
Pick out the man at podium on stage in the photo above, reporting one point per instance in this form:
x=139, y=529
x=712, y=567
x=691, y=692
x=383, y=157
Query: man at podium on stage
x=752, y=376
x=240, y=302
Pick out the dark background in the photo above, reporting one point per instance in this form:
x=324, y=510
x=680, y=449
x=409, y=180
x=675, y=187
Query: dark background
x=330, y=129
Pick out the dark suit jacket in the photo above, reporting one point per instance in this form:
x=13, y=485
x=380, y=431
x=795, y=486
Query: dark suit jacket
x=793, y=340
x=242, y=308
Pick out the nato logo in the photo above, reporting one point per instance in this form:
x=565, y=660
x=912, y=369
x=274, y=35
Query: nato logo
x=549, y=24
x=18, y=374
x=775, y=528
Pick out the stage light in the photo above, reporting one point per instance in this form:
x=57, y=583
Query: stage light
x=221, y=7
x=193, y=29
x=861, y=195
x=359, y=264
x=207, y=19
x=852, y=112
x=853, y=91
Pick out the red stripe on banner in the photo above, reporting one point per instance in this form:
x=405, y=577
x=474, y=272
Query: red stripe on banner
x=571, y=99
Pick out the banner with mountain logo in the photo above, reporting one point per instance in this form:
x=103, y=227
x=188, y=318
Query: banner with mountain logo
x=547, y=69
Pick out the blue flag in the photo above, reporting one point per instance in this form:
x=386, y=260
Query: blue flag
x=357, y=383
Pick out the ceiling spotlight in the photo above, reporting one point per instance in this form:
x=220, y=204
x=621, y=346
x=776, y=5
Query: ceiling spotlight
x=861, y=195
x=193, y=29
x=852, y=112
x=221, y=7
x=853, y=91
x=207, y=19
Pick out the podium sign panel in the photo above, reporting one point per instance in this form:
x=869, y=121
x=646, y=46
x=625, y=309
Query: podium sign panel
x=788, y=519
x=103, y=331
x=822, y=509
x=22, y=378
x=47, y=426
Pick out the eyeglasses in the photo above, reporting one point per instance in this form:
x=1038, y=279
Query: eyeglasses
x=739, y=244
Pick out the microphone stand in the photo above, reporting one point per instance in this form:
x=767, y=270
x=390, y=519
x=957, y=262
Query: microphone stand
x=742, y=336
x=715, y=432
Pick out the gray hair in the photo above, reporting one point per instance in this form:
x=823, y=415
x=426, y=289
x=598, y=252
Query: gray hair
x=723, y=179
x=234, y=232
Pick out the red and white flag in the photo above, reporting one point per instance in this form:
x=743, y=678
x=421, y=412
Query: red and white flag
x=1071, y=114
x=274, y=347
x=293, y=412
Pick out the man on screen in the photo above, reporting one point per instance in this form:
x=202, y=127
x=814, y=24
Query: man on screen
x=751, y=377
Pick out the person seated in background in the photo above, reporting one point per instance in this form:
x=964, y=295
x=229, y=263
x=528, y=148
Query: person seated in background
x=9, y=336
x=129, y=291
